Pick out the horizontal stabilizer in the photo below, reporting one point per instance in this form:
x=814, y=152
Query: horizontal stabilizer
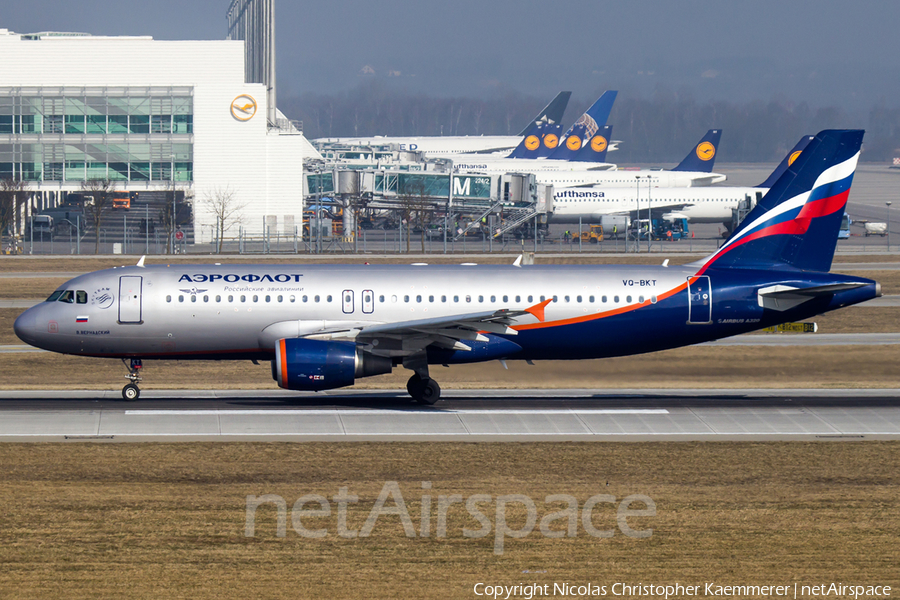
x=785, y=297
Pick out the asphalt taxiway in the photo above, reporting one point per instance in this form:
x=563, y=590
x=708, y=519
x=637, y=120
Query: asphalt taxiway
x=462, y=415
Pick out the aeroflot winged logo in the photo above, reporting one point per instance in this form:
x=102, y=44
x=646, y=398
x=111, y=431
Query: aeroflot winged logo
x=706, y=151
x=243, y=107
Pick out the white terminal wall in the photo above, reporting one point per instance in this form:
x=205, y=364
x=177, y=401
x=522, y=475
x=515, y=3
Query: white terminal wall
x=261, y=167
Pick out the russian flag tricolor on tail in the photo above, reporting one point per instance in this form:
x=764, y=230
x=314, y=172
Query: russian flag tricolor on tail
x=796, y=223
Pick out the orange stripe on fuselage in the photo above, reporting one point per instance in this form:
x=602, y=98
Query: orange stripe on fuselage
x=284, y=371
x=602, y=315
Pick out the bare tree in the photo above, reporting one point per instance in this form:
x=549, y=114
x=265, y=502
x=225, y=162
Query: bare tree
x=223, y=205
x=416, y=207
x=98, y=201
x=13, y=196
x=174, y=213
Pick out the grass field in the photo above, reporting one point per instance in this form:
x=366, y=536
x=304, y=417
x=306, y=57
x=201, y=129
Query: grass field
x=154, y=521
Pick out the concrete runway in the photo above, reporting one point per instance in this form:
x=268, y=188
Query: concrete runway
x=463, y=415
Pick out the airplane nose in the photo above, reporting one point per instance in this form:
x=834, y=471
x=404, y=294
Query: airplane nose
x=25, y=326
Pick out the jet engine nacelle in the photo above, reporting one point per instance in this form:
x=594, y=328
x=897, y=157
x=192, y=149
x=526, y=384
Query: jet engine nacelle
x=315, y=365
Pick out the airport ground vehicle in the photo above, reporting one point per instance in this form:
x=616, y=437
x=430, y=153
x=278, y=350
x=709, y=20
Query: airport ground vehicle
x=324, y=326
x=844, y=231
x=593, y=234
x=876, y=229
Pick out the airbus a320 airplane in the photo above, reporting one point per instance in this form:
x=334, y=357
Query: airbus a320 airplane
x=324, y=326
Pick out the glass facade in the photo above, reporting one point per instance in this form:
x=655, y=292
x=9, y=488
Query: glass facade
x=76, y=134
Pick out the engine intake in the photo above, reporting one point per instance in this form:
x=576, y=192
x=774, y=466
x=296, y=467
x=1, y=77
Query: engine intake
x=315, y=365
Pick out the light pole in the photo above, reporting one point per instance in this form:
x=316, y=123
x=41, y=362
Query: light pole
x=637, y=224
x=888, y=225
x=649, y=216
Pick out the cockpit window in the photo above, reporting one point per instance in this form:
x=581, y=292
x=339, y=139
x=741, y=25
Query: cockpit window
x=67, y=296
x=54, y=296
x=81, y=297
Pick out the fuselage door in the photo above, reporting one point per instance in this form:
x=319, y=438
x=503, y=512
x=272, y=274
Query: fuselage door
x=130, y=299
x=699, y=300
x=347, y=298
x=368, y=303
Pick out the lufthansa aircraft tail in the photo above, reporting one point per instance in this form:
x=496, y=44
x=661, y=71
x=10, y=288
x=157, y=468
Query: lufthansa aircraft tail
x=796, y=223
x=552, y=113
x=787, y=161
x=578, y=147
x=702, y=157
x=540, y=141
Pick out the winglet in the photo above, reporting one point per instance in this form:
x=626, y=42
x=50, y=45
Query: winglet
x=141, y=262
x=538, y=309
x=518, y=262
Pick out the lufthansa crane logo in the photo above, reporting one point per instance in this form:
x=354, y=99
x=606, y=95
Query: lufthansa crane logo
x=573, y=142
x=532, y=142
x=793, y=157
x=706, y=151
x=551, y=140
x=598, y=143
x=243, y=107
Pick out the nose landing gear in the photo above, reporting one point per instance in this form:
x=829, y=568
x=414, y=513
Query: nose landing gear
x=132, y=391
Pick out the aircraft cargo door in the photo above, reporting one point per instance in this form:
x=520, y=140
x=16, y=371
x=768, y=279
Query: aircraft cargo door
x=699, y=300
x=130, y=299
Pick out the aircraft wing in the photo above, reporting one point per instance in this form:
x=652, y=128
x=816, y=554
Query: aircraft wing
x=402, y=338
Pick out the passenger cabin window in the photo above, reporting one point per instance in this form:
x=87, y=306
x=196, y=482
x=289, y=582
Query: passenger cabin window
x=81, y=297
x=218, y=298
x=255, y=298
x=316, y=298
x=243, y=298
x=206, y=298
x=231, y=298
x=381, y=298
x=493, y=299
x=328, y=299
x=180, y=298
x=168, y=298
x=193, y=297
x=531, y=298
x=418, y=298
x=292, y=298
x=268, y=298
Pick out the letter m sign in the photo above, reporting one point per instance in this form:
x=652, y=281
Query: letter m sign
x=460, y=188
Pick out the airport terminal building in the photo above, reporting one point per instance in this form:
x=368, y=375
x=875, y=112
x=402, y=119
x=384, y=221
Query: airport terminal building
x=147, y=115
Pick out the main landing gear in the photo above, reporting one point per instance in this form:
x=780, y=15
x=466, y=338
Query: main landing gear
x=132, y=391
x=424, y=390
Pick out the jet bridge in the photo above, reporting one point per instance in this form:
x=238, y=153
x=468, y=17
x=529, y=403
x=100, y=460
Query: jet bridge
x=515, y=197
